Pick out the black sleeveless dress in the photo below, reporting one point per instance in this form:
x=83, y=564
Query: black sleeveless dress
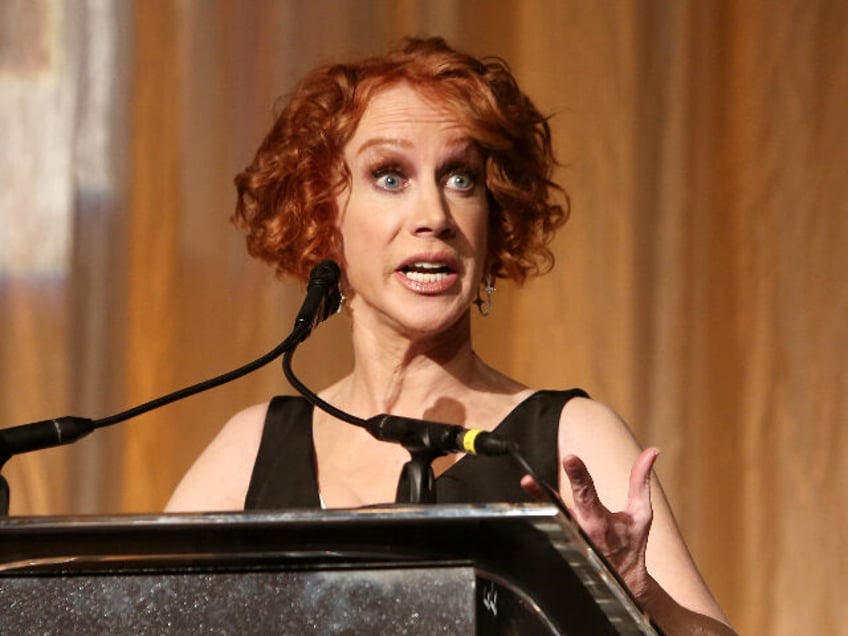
x=284, y=474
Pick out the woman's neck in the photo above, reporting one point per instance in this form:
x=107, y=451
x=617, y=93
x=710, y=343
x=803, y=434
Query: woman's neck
x=437, y=378
x=395, y=373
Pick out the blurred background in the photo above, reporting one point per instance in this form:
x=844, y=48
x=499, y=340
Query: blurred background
x=700, y=286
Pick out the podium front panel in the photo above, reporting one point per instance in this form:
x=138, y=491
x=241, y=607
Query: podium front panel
x=373, y=601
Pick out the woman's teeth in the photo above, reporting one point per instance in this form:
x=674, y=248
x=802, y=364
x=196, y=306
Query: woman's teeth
x=425, y=277
x=426, y=272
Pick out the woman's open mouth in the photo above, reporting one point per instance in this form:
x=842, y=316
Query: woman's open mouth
x=425, y=272
x=429, y=275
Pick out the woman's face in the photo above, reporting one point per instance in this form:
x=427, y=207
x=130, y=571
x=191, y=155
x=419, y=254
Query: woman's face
x=414, y=220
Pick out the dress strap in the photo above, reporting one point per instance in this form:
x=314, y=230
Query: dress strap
x=284, y=474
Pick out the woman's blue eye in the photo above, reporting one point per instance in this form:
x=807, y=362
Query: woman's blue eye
x=460, y=181
x=389, y=180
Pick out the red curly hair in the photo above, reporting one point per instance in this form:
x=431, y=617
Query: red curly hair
x=287, y=195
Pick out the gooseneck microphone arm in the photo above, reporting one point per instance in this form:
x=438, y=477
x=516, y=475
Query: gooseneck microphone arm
x=64, y=430
x=322, y=300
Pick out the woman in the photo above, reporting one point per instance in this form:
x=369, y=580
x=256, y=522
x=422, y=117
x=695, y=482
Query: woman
x=426, y=174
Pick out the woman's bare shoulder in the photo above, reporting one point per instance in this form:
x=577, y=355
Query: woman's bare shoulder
x=219, y=478
x=587, y=421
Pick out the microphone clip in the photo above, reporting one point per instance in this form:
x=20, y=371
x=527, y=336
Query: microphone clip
x=416, y=435
x=425, y=441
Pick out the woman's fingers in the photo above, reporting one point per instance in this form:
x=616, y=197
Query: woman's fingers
x=587, y=505
x=532, y=488
x=639, y=496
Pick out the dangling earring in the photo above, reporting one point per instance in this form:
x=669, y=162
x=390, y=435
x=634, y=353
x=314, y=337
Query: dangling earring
x=485, y=306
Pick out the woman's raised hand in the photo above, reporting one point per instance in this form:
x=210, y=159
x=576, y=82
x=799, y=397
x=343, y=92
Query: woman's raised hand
x=621, y=537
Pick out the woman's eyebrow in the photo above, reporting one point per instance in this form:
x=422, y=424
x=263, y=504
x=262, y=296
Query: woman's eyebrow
x=461, y=146
x=384, y=141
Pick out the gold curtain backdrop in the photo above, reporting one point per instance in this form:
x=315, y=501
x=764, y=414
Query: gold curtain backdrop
x=700, y=286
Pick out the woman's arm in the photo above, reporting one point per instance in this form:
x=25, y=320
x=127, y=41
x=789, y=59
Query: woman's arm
x=642, y=541
x=219, y=478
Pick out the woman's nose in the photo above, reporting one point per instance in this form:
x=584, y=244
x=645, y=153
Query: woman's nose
x=431, y=215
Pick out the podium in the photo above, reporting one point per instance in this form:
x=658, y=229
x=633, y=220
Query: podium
x=440, y=569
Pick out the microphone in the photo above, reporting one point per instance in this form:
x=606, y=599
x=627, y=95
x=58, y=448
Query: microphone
x=323, y=298
x=436, y=437
x=43, y=434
